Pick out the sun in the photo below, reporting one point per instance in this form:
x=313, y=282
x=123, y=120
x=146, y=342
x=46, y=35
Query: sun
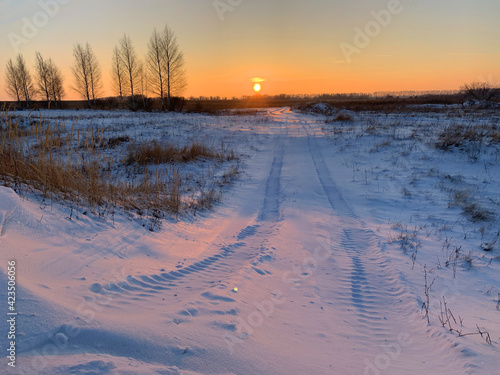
x=257, y=87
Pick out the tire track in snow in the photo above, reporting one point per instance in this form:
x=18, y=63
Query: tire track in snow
x=358, y=243
x=210, y=273
x=369, y=285
x=270, y=210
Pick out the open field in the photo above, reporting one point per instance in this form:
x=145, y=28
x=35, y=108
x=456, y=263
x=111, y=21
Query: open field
x=108, y=161
x=319, y=240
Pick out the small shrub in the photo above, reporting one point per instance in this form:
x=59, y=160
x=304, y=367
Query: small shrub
x=471, y=209
x=479, y=91
x=115, y=141
x=476, y=212
x=459, y=135
x=199, y=107
x=341, y=117
x=207, y=199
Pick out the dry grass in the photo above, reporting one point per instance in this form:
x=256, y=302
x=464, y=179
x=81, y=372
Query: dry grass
x=341, y=117
x=207, y=199
x=70, y=166
x=242, y=112
x=116, y=141
x=470, y=207
x=83, y=168
x=458, y=135
x=155, y=153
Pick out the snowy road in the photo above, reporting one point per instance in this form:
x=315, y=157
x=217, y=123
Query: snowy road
x=284, y=278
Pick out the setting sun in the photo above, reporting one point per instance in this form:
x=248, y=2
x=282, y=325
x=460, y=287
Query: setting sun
x=257, y=87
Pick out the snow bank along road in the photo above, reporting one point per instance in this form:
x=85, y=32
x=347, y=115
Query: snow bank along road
x=283, y=278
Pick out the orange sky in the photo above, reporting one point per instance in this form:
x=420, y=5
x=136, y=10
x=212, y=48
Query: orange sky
x=297, y=46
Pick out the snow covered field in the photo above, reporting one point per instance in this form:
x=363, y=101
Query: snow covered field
x=366, y=244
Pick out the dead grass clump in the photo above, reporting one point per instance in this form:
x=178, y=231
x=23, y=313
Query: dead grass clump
x=476, y=212
x=69, y=166
x=116, y=141
x=202, y=108
x=470, y=208
x=230, y=174
x=316, y=108
x=342, y=117
x=242, y=112
x=407, y=239
x=155, y=153
x=207, y=199
x=458, y=135
x=156, y=192
x=19, y=165
x=380, y=146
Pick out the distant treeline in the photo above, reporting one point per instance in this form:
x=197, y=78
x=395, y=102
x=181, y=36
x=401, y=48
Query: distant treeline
x=335, y=96
x=214, y=105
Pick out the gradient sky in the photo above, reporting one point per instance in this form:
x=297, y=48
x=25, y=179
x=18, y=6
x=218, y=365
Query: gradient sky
x=293, y=44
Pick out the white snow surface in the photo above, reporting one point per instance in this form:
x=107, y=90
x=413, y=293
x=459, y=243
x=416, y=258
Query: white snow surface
x=313, y=263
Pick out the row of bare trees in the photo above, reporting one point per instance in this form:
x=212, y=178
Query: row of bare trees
x=161, y=74
x=48, y=80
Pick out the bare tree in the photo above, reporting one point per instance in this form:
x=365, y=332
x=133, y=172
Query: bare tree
x=13, y=86
x=118, y=75
x=27, y=90
x=174, y=59
x=479, y=91
x=81, y=73
x=87, y=73
x=156, y=66
x=56, y=87
x=95, y=74
x=49, y=80
x=165, y=63
x=43, y=77
x=144, y=85
x=131, y=65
